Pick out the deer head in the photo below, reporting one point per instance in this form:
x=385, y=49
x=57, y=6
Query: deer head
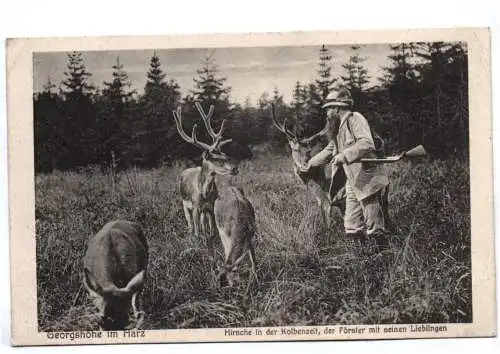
x=301, y=148
x=213, y=157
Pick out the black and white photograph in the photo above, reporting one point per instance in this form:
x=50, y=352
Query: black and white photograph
x=320, y=189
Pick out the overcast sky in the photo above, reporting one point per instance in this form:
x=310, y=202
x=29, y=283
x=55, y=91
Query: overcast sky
x=249, y=71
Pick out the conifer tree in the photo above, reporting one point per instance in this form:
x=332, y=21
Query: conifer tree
x=118, y=90
x=356, y=76
x=401, y=70
x=79, y=112
x=325, y=82
x=116, y=118
x=211, y=89
x=76, y=83
x=52, y=149
x=282, y=111
x=314, y=118
x=423, y=98
x=401, y=87
x=155, y=130
x=277, y=97
x=441, y=84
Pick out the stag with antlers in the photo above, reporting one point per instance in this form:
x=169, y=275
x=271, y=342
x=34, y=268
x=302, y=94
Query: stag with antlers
x=328, y=188
x=318, y=179
x=197, y=184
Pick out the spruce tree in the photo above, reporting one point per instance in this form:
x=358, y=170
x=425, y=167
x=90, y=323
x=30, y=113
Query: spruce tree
x=76, y=84
x=116, y=118
x=277, y=97
x=401, y=87
x=325, y=82
x=118, y=90
x=401, y=70
x=156, y=130
x=298, y=108
x=81, y=130
x=442, y=96
x=282, y=111
x=423, y=98
x=263, y=115
x=355, y=75
x=51, y=147
x=315, y=117
x=211, y=89
x=399, y=76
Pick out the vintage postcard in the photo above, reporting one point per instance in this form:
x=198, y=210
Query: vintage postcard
x=251, y=187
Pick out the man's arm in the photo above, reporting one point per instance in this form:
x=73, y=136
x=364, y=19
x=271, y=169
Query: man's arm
x=324, y=156
x=364, y=141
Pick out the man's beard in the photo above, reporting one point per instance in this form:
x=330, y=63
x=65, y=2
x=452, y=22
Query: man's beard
x=334, y=123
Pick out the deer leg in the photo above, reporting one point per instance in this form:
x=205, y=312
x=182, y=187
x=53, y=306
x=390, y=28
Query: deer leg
x=251, y=251
x=383, y=201
x=385, y=209
x=138, y=313
x=250, y=281
x=323, y=205
x=236, y=255
x=187, y=213
x=196, y=222
x=226, y=244
x=222, y=277
x=134, y=304
x=203, y=226
x=211, y=237
x=326, y=208
x=253, y=276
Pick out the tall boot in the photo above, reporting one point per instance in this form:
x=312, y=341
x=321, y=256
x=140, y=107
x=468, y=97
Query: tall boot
x=359, y=238
x=381, y=240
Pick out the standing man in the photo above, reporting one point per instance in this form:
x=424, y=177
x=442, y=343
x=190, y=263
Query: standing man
x=351, y=140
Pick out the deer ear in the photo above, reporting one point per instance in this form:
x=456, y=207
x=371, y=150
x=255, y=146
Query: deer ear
x=91, y=283
x=136, y=282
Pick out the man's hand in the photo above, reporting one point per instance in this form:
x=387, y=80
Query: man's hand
x=339, y=159
x=304, y=168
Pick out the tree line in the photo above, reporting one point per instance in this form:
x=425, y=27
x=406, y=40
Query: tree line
x=421, y=98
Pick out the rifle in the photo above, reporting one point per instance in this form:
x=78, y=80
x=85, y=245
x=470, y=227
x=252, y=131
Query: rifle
x=417, y=151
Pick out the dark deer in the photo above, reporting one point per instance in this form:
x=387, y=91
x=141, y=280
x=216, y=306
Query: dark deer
x=114, y=269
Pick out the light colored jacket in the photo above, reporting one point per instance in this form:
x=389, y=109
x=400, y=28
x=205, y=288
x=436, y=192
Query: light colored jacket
x=355, y=141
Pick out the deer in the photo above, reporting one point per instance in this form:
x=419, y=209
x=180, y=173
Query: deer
x=114, y=271
x=197, y=185
x=235, y=221
x=328, y=193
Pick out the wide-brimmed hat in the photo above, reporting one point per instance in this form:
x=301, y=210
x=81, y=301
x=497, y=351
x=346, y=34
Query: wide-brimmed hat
x=340, y=98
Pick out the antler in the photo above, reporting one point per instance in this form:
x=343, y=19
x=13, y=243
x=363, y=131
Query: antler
x=315, y=136
x=193, y=139
x=216, y=137
x=190, y=139
x=281, y=127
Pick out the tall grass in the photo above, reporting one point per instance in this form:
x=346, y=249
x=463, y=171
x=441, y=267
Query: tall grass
x=309, y=275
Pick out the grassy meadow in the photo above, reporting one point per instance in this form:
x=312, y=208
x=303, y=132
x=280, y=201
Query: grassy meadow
x=309, y=274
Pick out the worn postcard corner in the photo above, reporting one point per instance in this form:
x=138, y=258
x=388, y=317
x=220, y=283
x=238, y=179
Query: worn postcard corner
x=251, y=187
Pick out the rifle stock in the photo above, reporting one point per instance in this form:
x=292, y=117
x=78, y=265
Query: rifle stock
x=417, y=151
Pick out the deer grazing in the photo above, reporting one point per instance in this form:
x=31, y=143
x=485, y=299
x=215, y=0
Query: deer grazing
x=235, y=221
x=114, y=270
x=319, y=179
x=197, y=184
